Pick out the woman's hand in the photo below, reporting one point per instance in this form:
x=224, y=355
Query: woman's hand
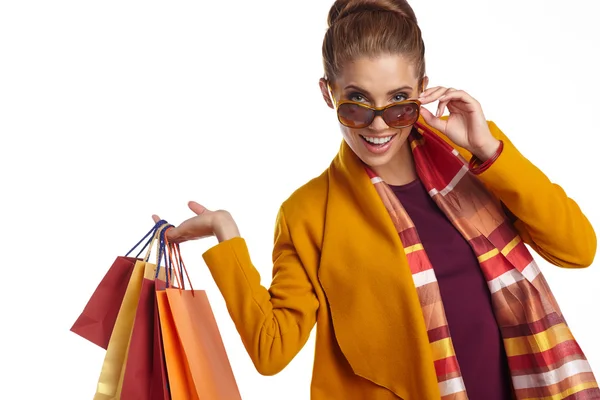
x=206, y=223
x=466, y=125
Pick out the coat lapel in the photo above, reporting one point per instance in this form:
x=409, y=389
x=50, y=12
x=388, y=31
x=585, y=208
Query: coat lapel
x=376, y=314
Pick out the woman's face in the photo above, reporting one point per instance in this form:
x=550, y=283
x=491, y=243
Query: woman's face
x=376, y=82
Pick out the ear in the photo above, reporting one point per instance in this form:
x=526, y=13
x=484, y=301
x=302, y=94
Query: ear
x=325, y=92
x=424, y=84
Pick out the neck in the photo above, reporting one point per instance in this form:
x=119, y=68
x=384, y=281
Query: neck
x=400, y=170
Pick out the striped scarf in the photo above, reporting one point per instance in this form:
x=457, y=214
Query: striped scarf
x=544, y=359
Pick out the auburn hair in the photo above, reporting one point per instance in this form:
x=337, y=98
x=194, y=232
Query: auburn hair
x=368, y=28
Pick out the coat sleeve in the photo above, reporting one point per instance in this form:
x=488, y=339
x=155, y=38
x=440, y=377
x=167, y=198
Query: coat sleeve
x=546, y=218
x=275, y=323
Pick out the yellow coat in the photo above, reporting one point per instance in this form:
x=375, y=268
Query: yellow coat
x=339, y=263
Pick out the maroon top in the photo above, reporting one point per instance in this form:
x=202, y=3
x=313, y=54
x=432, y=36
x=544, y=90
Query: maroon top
x=465, y=295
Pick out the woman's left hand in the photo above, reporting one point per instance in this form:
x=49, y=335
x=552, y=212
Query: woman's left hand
x=466, y=125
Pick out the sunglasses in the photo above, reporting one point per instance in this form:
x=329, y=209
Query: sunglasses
x=359, y=115
x=396, y=115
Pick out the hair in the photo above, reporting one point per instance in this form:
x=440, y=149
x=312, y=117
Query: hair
x=369, y=28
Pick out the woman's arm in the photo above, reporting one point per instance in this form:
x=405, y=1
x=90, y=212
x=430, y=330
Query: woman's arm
x=547, y=219
x=274, y=324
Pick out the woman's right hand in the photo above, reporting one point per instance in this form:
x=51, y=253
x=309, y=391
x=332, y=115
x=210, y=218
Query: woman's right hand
x=206, y=223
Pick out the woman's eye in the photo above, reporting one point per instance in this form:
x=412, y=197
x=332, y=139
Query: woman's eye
x=357, y=97
x=400, y=97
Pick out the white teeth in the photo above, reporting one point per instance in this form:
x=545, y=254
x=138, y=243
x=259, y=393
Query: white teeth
x=381, y=140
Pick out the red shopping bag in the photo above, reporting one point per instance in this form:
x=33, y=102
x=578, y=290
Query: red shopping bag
x=97, y=320
x=143, y=377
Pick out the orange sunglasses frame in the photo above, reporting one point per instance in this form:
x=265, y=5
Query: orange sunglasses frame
x=378, y=110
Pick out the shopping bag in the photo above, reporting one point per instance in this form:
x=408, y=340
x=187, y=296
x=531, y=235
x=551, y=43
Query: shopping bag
x=141, y=368
x=97, y=320
x=113, y=368
x=200, y=343
x=181, y=384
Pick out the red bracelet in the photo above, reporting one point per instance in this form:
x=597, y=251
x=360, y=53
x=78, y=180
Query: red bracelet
x=477, y=167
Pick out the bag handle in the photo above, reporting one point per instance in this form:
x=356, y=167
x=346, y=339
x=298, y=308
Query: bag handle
x=168, y=258
x=151, y=234
x=155, y=237
x=182, y=267
x=175, y=254
x=162, y=255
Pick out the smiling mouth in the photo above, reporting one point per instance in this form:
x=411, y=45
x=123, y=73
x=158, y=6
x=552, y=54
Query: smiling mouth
x=377, y=141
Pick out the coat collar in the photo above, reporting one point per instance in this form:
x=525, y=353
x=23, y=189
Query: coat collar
x=377, y=318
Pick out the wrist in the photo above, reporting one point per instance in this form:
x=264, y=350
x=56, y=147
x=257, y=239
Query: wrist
x=487, y=151
x=477, y=166
x=224, y=226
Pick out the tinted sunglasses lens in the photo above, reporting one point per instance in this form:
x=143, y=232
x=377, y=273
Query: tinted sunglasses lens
x=355, y=116
x=401, y=115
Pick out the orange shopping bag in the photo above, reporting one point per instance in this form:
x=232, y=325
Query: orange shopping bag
x=181, y=386
x=200, y=349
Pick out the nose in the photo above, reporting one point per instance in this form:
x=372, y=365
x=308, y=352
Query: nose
x=378, y=124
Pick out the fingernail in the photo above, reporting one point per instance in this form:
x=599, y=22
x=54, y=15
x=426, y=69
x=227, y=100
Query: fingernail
x=442, y=97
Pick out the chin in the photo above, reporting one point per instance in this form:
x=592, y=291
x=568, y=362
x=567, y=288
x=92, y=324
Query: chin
x=375, y=161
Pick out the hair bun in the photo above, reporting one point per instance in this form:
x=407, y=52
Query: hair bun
x=343, y=8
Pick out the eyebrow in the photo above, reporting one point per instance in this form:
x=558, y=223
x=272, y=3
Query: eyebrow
x=391, y=92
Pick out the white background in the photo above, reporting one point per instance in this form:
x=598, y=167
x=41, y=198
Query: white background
x=111, y=111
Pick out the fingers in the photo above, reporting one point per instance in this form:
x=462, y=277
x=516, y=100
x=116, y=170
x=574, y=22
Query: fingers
x=460, y=100
x=173, y=234
x=191, y=229
x=431, y=91
x=458, y=95
x=441, y=108
x=441, y=96
x=196, y=208
x=450, y=98
x=432, y=120
x=433, y=94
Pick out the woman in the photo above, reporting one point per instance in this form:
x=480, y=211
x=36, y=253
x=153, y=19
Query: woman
x=411, y=261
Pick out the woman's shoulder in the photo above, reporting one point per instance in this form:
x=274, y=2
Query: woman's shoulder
x=308, y=202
